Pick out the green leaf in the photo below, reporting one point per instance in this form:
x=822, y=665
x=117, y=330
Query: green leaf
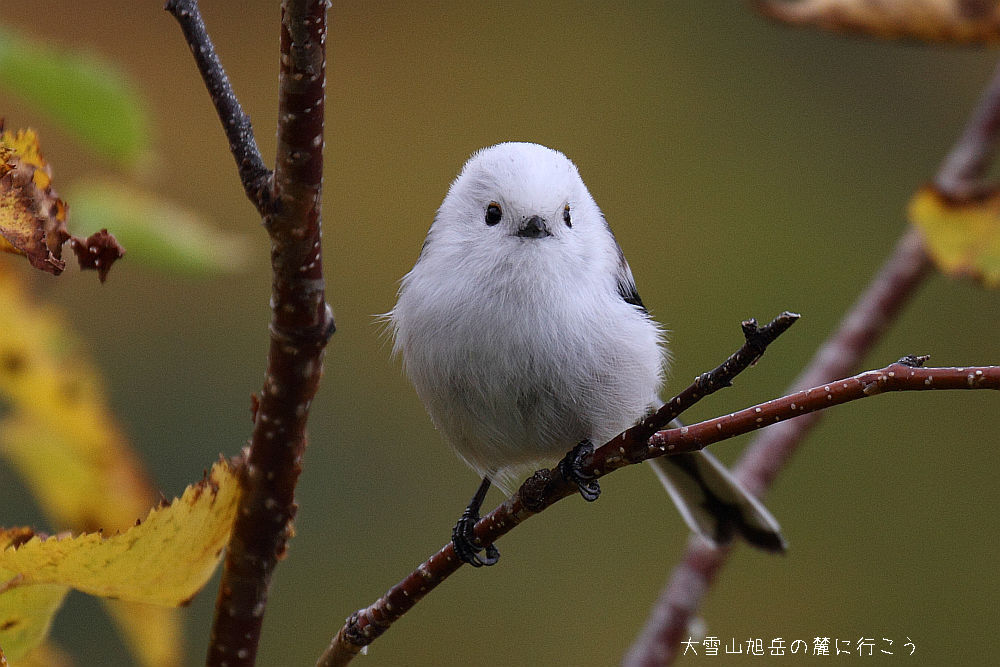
x=87, y=95
x=155, y=232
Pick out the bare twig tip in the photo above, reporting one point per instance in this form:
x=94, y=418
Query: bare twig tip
x=914, y=360
x=749, y=327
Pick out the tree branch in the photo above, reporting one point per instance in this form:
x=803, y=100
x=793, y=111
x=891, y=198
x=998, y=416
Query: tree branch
x=763, y=459
x=904, y=375
x=301, y=322
x=871, y=315
x=757, y=340
x=542, y=490
x=546, y=487
x=254, y=175
x=962, y=171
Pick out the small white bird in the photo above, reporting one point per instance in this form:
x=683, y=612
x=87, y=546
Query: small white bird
x=522, y=332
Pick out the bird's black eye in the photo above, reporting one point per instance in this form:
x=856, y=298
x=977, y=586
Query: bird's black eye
x=566, y=218
x=493, y=213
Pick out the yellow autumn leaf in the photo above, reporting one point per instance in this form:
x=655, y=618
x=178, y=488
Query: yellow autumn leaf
x=32, y=217
x=152, y=632
x=164, y=560
x=25, y=615
x=59, y=431
x=60, y=435
x=45, y=655
x=952, y=21
x=963, y=239
x=25, y=612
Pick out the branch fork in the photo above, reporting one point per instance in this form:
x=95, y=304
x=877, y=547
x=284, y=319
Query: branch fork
x=289, y=200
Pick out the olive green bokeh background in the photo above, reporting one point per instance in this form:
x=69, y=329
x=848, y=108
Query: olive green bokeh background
x=745, y=169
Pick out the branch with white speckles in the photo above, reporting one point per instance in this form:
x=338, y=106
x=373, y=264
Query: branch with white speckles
x=543, y=489
x=957, y=179
x=904, y=375
x=301, y=322
x=547, y=487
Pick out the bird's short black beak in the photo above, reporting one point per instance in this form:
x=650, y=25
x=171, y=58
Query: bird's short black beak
x=533, y=228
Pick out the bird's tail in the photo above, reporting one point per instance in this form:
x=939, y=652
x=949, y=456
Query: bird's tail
x=714, y=504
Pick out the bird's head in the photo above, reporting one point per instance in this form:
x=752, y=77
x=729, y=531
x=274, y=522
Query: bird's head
x=520, y=193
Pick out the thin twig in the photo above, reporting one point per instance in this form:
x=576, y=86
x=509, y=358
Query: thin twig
x=764, y=458
x=900, y=376
x=301, y=322
x=871, y=315
x=757, y=340
x=840, y=355
x=541, y=490
x=366, y=625
x=254, y=174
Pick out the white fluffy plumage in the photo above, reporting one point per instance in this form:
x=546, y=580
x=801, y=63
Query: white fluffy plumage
x=522, y=331
x=522, y=347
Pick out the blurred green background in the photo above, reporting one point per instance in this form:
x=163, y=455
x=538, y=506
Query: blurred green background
x=745, y=168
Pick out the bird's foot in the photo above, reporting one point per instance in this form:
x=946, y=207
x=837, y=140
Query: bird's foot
x=571, y=468
x=466, y=545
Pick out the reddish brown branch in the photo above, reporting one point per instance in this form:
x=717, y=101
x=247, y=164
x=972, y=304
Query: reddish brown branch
x=872, y=314
x=840, y=355
x=864, y=324
x=962, y=171
x=301, y=321
x=895, y=377
x=546, y=487
x=691, y=580
x=757, y=340
x=543, y=489
x=764, y=458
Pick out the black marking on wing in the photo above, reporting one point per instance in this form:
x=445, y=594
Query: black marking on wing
x=627, y=292
x=626, y=283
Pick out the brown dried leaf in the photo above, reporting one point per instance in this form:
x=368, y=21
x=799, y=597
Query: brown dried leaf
x=33, y=217
x=953, y=21
x=99, y=251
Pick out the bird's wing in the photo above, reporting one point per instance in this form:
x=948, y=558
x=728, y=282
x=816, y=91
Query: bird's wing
x=623, y=275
